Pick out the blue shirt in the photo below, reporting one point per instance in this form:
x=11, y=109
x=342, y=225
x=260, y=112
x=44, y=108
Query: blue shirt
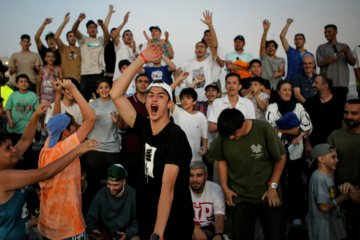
x=295, y=65
x=305, y=84
x=159, y=73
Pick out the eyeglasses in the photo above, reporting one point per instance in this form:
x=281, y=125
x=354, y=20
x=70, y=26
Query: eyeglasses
x=73, y=55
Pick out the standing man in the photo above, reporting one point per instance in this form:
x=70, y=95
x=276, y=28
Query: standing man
x=251, y=159
x=303, y=82
x=333, y=58
x=346, y=141
x=70, y=55
x=273, y=67
x=294, y=55
x=238, y=61
x=325, y=111
x=156, y=38
x=208, y=202
x=26, y=62
x=92, y=54
x=50, y=40
x=201, y=66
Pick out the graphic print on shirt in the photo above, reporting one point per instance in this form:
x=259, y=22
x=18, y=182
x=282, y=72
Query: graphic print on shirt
x=149, y=160
x=199, y=72
x=203, y=213
x=22, y=108
x=256, y=151
x=157, y=75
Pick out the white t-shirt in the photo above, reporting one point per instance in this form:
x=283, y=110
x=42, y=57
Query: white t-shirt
x=211, y=135
x=74, y=110
x=203, y=69
x=92, y=54
x=356, y=54
x=123, y=52
x=244, y=105
x=216, y=71
x=258, y=112
x=210, y=203
x=195, y=127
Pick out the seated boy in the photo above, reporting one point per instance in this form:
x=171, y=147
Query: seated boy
x=193, y=123
x=323, y=219
x=259, y=98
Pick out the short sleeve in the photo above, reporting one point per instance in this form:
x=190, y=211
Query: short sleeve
x=227, y=57
x=250, y=110
x=216, y=152
x=179, y=150
x=81, y=41
x=203, y=125
x=9, y=102
x=319, y=55
x=38, y=60
x=320, y=191
x=282, y=61
x=218, y=199
x=214, y=112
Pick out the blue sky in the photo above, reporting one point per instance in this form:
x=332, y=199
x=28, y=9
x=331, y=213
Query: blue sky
x=182, y=20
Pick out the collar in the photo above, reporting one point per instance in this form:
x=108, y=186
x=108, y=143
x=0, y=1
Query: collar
x=239, y=101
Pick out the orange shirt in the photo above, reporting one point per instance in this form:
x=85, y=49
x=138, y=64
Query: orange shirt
x=60, y=203
x=243, y=73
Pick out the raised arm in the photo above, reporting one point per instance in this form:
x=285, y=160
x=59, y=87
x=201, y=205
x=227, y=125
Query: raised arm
x=39, y=32
x=179, y=80
x=59, y=43
x=266, y=26
x=58, y=89
x=126, y=110
x=108, y=17
x=208, y=21
x=12, y=179
x=105, y=31
x=283, y=39
x=88, y=114
x=169, y=48
x=119, y=28
x=75, y=27
x=168, y=62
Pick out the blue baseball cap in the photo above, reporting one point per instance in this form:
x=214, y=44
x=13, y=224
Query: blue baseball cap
x=56, y=125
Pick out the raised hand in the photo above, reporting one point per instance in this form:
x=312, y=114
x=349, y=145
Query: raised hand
x=57, y=86
x=68, y=84
x=100, y=22
x=266, y=24
x=126, y=17
x=289, y=20
x=67, y=17
x=153, y=52
x=16, y=62
x=114, y=116
x=88, y=145
x=166, y=36
x=81, y=17
x=42, y=108
x=207, y=17
x=111, y=9
x=146, y=36
x=47, y=21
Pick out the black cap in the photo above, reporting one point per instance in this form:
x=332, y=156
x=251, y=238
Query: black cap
x=214, y=85
x=241, y=37
x=154, y=27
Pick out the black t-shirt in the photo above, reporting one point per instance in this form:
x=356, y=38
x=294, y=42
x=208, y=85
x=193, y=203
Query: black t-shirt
x=110, y=57
x=325, y=118
x=170, y=146
x=245, y=83
x=43, y=51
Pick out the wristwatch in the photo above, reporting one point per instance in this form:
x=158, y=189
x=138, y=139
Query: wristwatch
x=273, y=185
x=154, y=236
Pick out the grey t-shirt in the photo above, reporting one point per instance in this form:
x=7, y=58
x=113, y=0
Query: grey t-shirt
x=338, y=69
x=323, y=225
x=105, y=130
x=269, y=67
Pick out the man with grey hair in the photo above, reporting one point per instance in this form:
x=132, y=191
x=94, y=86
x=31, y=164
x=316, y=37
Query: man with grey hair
x=209, y=204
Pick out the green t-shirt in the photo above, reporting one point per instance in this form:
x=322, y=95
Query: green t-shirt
x=250, y=160
x=22, y=107
x=163, y=44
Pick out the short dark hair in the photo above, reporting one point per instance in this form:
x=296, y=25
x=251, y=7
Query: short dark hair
x=74, y=81
x=127, y=30
x=229, y=121
x=331, y=26
x=326, y=79
x=89, y=23
x=189, y=92
x=50, y=51
x=269, y=42
x=124, y=62
x=141, y=75
x=101, y=80
x=280, y=83
x=300, y=34
x=4, y=135
x=22, y=76
x=113, y=29
x=353, y=101
x=257, y=79
x=25, y=36
x=49, y=35
x=203, y=42
x=206, y=31
x=67, y=34
x=254, y=61
x=232, y=74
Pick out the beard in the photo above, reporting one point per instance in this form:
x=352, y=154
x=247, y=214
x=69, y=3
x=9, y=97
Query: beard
x=199, y=189
x=351, y=123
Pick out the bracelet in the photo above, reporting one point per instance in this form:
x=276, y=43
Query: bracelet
x=335, y=202
x=143, y=57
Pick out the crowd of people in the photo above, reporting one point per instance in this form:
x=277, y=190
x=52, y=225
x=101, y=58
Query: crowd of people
x=122, y=160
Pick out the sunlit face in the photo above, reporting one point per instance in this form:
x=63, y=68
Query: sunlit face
x=187, y=102
x=50, y=58
x=115, y=187
x=271, y=49
x=330, y=160
x=309, y=64
x=255, y=69
x=141, y=84
x=232, y=86
x=25, y=44
x=285, y=92
x=155, y=34
x=200, y=50
x=8, y=157
x=23, y=84
x=128, y=37
x=330, y=33
x=51, y=42
x=157, y=103
x=71, y=39
x=103, y=90
x=239, y=44
x=299, y=41
x=92, y=30
x=352, y=115
x=211, y=94
x=197, y=179
x=207, y=37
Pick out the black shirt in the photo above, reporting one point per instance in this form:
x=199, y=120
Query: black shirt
x=109, y=57
x=43, y=51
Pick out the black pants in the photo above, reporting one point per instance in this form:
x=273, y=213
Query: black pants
x=244, y=216
x=88, y=85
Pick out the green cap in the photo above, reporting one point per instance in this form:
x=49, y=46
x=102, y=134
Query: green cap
x=116, y=173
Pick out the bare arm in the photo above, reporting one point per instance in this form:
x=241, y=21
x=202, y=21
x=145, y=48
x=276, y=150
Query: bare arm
x=9, y=119
x=12, y=179
x=325, y=207
x=220, y=61
x=219, y=224
x=262, y=104
x=126, y=110
x=169, y=48
x=168, y=62
x=292, y=131
x=179, y=80
x=298, y=96
x=108, y=17
x=119, y=28
x=228, y=193
x=39, y=32
x=349, y=57
x=283, y=39
x=208, y=21
x=170, y=174
x=59, y=43
x=75, y=27
x=266, y=26
x=39, y=82
x=105, y=31
x=233, y=67
x=57, y=104
x=212, y=127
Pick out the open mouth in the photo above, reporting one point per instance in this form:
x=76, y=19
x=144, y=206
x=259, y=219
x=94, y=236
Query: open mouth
x=154, y=109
